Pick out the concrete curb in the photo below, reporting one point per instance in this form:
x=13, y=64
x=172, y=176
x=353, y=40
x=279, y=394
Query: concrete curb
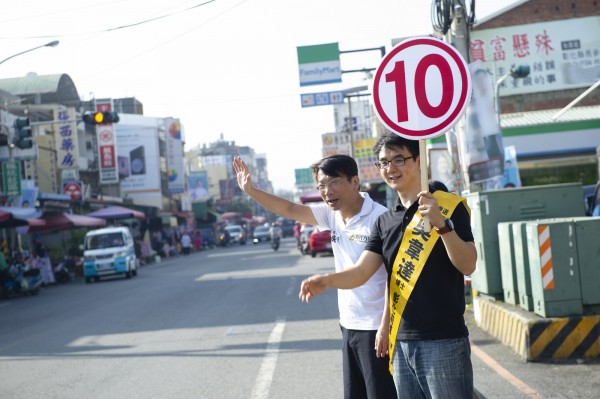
x=539, y=339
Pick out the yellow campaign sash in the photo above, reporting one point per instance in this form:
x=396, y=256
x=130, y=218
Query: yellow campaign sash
x=415, y=248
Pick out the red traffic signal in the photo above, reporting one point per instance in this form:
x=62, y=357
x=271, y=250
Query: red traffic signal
x=100, y=118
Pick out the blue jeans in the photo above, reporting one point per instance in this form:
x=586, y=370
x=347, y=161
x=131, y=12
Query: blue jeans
x=433, y=369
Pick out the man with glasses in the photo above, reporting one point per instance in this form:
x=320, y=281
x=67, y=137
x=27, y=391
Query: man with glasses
x=350, y=215
x=429, y=343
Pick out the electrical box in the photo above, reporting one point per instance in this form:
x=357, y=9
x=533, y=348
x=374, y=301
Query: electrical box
x=554, y=267
x=488, y=208
x=507, y=263
x=522, y=265
x=587, y=231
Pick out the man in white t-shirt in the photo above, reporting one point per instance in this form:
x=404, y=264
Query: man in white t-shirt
x=349, y=214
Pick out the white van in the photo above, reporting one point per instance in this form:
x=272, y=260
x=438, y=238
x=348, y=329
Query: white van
x=107, y=252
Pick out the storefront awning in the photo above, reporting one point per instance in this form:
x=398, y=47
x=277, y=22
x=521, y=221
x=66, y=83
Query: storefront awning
x=62, y=221
x=116, y=212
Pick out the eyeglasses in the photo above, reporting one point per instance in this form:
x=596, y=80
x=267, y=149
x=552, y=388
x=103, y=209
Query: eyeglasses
x=331, y=185
x=398, y=161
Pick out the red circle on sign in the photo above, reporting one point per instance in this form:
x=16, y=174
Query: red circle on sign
x=434, y=96
x=74, y=190
x=106, y=135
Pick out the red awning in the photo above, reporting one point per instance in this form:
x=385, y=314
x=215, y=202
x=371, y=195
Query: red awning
x=61, y=221
x=311, y=197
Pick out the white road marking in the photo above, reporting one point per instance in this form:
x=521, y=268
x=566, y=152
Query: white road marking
x=262, y=385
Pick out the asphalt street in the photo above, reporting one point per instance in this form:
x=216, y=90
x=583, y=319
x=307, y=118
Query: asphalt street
x=223, y=323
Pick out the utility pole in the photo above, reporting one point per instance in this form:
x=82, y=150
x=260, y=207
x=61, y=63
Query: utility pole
x=452, y=22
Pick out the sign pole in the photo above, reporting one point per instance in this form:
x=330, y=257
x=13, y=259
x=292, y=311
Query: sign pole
x=424, y=178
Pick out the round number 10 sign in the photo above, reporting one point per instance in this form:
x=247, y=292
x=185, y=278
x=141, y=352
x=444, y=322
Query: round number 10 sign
x=421, y=88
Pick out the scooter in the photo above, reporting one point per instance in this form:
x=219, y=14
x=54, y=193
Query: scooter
x=62, y=272
x=23, y=281
x=275, y=243
x=223, y=238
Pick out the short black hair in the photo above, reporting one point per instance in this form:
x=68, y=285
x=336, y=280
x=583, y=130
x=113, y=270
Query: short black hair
x=392, y=141
x=435, y=185
x=336, y=166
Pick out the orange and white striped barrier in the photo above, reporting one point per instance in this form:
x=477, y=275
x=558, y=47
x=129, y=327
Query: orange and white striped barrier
x=546, y=257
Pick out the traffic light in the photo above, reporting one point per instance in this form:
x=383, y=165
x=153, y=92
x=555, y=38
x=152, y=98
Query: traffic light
x=100, y=118
x=22, y=138
x=3, y=140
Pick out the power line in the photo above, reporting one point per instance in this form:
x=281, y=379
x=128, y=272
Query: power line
x=131, y=25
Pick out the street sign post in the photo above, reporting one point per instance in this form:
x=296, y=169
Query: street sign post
x=325, y=98
x=11, y=176
x=73, y=189
x=420, y=90
x=319, y=64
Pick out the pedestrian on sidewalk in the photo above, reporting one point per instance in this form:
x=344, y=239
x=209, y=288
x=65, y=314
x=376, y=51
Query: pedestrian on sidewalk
x=186, y=243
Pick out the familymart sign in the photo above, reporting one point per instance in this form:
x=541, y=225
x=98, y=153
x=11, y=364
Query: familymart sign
x=319, y=64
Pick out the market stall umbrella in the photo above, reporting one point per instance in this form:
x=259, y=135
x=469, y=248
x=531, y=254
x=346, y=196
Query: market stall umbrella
x=15, y=217
x=230, y=215
x=62, y=221
x=116, y=212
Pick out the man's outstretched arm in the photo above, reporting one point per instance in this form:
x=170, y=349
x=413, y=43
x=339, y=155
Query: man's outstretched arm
x=271, y=202
x=365, y=267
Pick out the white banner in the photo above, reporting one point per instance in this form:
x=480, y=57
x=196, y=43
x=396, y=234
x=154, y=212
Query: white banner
x=139, y=161
x=561, y=54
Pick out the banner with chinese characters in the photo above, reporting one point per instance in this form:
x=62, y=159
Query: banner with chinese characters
x=336, y=143
x=561, y=54
x=363, y=154
x=65, y=137
x=107, y=157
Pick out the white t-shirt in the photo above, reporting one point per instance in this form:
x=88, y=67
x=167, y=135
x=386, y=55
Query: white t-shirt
x=186, y=241
x=360, y=308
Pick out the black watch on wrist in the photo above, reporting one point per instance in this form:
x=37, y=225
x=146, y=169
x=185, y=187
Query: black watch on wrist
x=448, y=227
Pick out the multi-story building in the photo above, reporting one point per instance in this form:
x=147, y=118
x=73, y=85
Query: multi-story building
x=215, y=160
x=557, y=40
x=142, y=166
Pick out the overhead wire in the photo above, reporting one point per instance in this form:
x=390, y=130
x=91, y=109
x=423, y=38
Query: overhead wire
x=130, y=25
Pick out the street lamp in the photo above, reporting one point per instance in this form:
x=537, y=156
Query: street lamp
x=53, y=43
x=521, y=71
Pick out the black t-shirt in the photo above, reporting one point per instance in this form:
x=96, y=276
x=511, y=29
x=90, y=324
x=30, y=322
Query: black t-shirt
x=436, y=306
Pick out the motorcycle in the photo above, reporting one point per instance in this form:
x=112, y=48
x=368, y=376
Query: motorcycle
x=62, y=272
x=22, y=281
x=275, y=243
x=223, y=238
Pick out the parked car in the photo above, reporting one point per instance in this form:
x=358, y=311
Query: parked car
x=237, y=234
x=320, y=242
x=261, y=233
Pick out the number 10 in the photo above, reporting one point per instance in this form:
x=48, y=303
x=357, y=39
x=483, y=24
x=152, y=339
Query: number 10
x=398, y=76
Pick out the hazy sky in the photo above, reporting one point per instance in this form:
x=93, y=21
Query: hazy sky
x=223, y=66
